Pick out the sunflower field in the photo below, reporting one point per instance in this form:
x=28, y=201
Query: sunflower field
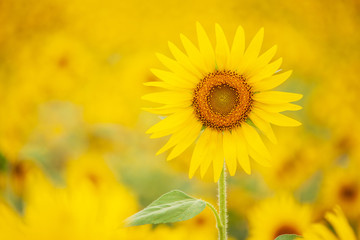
x=112, y=110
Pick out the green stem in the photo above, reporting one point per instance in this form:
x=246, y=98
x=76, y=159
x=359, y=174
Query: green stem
x=222, y=205
x=218, y=220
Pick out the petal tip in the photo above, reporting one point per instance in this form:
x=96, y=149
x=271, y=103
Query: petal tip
x=159, y=152
x=199, y=27
x=217, y=26
x=152, y=136
x=232, y=173
x=191, y=174
x=247, y=171
x=297, y=123
x=169, y=158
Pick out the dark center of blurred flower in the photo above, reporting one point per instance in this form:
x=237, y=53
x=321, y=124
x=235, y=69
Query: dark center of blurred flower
x=94, y=179
x=200, y=221
x=63, y=62
x=349, y=192
x=19, y=170
x=286, y=229
x=222, y=100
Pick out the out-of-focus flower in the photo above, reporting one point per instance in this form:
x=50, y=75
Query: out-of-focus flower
x=117, y=99
x=92, y=206
x=338, y=222
x=295, y=150
x=341, y=186
x=226, y=92
x=85, y=209
x=276, y=216
x=21, y=175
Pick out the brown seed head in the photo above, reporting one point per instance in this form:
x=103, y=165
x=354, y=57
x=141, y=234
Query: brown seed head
x=222, y=100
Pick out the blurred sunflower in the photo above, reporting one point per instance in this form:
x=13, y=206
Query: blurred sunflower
x=221, y=95
x=277, y=216
x=295, y=150
x=341, y=186
x=93, y=206
x=338, y=222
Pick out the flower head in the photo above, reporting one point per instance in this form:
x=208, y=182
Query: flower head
x=276, y=216
x=220, y=97
x=339, y=224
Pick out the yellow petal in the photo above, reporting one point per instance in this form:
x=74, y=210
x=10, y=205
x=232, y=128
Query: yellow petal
x=185, y=61
x=278, y=107
x=242, y=150
x=254, y=140
x=253, y=50
x=167, y=109
x=261, y=62
x=218, y=162
x=321, y=232
x=190, y=137
x=175, y=67
x=265, y=72
x=172, y=130
x=194, y=54
x=340, y=224
x=263, y=126
x=276, y=118
x=272, y=82
x=229, y=144
x=172, y=79
x=258, y=158
x=171, y=121
x=318, y=231
x=237, y=49
x=200, y=151
x=222, y=51
x=175, y=139
x=179, y=135
x=211, y=152
x=169, y=97
x=276, y=97
x=206, y=49
x=161, y=85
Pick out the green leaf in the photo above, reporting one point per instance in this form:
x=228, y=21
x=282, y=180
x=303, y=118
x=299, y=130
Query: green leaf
x=288, y=237
x=171, y=207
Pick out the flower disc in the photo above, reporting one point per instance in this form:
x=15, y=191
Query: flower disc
x=222, y=100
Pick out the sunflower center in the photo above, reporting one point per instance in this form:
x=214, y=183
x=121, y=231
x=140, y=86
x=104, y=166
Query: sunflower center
x=286, y=229
x=222, y=100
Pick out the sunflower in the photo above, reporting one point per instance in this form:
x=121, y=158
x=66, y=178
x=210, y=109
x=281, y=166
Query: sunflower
x=295, y=150
x=338, y=222
x=341, y=186
x=220, y=98
x=276, y=216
